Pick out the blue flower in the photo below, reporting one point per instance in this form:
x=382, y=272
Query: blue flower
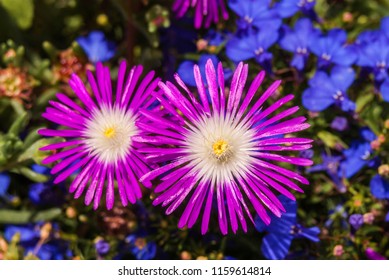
x=379, y=187
x=333, y=49
x=254, y=45
x=215, y=38
x=288, y=8
x=140, y=247
x=30, y=235
x=43, y=194
x=185, y=70
x=96, y=46
x=387, y=217
x=330, y=90
x=367, y=134
x=375, y=56
x=281, y=231
x=255, y=13
x=102, y=247
x=356, y=221
x=330, y=165
x=356, y=157
x=297, y=41
x=339, y=123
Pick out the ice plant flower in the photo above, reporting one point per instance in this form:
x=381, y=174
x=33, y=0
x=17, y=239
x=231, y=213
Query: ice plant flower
x=281, y=232
x=96, y=46
x=223, y=149
x=100, y=135
x=206, y=11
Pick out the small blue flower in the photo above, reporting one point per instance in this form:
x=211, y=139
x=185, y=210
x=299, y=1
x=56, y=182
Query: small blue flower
x=215, y=38
x=384, y=89
x=379, y=187
x=140, y=247
x=387, y=217
x=281, y=231
x=255, y=13
x=185, y=70
x=330, y=165
x=297, y=41
x=287, y=8
x=355, y=158
x=356, y=221
x=102, y=247
x=330, y=90
x=97, y=47
x=339, y=123
x=367, y=134
x=333, y=49
x=52, y=249
x=254, y=45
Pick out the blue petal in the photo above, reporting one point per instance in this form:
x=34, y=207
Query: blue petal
x=287, y=8
x=5, y=180
x=384, y=89
x=344, y=56
x=298, y=61
x=40, y=169
x=276, y=246
x=367, y=134
x=316, y=100
x=239, y=49
x=342, y=77
x=347, y=105
x=311, y=233
x=290, y=42
x=379, y=187
x=27, y=233
x=185, y=71
x=338, y=35
x=385, y=26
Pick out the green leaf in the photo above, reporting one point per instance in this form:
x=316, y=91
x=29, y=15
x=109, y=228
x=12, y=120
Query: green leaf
x=331, y=140
x=34, y=153
x=19, y=124
x=22, y=11
x=33, y=176
x=24, y=216
x=363, y=100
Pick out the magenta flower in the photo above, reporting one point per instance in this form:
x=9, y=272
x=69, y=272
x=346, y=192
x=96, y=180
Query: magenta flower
x=220, y=151
x=100, y=135
x=206, y=11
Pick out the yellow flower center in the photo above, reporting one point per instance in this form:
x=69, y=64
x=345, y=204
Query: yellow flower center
x=109, y=132
x=221, y=150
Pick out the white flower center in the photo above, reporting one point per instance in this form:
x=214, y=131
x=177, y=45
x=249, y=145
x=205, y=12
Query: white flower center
x=218, y=149
x=108, y=134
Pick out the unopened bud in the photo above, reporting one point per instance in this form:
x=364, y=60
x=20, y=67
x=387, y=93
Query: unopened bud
x=185, y=255
x=383, y=170
x=368, y=218
x=338, y=250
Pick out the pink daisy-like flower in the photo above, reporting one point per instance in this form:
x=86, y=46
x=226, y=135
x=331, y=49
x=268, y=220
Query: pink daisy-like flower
x=100, y=135
x=206, y=11
x=220, y=152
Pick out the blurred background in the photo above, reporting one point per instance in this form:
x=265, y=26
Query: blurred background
x=42, y=42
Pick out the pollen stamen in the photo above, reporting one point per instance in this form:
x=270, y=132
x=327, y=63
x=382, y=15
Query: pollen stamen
x=221, y=150
x=110, y=132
